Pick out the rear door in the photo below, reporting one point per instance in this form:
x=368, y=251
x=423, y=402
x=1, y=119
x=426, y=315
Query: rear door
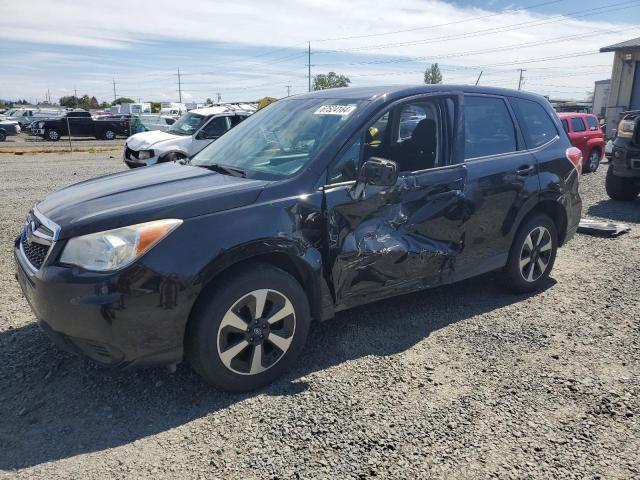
x=501, y=179
x=579, y=135
x=384, y=241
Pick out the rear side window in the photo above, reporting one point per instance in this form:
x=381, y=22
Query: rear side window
x=537, y=126
x=593, y=123
x=577, y=124
x=565, y=126
x=489, y=129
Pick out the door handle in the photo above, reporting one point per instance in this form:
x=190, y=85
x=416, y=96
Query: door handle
x=524, y=170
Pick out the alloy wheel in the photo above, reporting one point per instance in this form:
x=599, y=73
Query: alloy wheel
x=256, y=332
x=535, y=254
x=53, y=135
x=109, y=135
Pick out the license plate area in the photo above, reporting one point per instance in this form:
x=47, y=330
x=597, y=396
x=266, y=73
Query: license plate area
x=635, y=163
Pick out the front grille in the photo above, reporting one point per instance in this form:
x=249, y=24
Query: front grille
x=35, y=252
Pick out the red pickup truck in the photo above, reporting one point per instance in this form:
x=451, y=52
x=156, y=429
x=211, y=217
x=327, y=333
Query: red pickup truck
x=585, y=133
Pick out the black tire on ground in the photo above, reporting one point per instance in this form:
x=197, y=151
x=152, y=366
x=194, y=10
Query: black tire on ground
x=3, y=136
x=108, y=134
x=593, y=161
x=214, y=330
x=172, y=157
x=621, y=188
x=52, y=135
x=521, y=275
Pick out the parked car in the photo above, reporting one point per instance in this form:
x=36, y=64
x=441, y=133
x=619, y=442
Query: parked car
x=585, y=133
x=187, y=136
x=155, y=121
x=26, y=116
x=8, y=128
x=623, y=176
x=296, y=214
x=80, y=123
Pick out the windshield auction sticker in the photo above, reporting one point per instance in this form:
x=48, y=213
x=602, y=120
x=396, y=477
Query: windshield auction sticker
x=342, y=110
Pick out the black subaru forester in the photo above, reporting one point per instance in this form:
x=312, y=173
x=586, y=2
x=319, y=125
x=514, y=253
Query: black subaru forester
x=313, y=205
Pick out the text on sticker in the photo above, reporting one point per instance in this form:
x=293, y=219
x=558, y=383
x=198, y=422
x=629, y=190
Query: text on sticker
x=335, y=110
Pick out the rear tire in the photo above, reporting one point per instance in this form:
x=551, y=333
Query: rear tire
x=532, y=254
x=621, y=188
x=52, y=135
x=109, y=134
x=593, y=162
x=234, y=349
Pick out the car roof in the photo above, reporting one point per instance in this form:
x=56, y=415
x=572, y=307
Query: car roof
x=400, y=91
x=575, y=114
x=216, y=110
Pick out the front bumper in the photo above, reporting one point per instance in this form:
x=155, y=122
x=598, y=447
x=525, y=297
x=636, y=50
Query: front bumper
x=130, y=158
x=132, y=317
x=625, y=159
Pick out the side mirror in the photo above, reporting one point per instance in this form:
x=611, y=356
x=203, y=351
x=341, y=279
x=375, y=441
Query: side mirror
x=378, y=171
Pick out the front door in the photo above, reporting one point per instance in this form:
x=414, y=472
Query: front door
x=384, y=241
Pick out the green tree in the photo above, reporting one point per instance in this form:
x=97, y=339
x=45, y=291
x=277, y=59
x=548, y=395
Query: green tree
x=70, y=101
x=432, y=75
x=155, y=107
x=330, y=80
x=209, y=101
x=121, y=100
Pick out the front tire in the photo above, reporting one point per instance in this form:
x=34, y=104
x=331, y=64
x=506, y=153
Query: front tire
x=620, y=188
x=52, y=135
x=3, y=136
x=248, y=330
x=532, y=254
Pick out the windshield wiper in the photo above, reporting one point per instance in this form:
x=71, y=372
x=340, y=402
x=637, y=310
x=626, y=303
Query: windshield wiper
x=225, y=169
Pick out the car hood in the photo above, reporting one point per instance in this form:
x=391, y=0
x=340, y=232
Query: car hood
x=146, y=140
x=170, y=190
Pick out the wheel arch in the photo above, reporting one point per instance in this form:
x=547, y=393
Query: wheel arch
x=304, y=268
x=164, y=157
x=554, y=210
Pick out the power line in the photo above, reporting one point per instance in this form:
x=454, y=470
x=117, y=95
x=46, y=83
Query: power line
x=470, y=19
x=489, y=31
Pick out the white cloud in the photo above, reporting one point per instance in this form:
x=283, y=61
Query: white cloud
x=127, y=27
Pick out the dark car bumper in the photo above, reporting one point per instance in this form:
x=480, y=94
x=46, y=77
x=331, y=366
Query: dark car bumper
x=133, y=317
x=625, y=159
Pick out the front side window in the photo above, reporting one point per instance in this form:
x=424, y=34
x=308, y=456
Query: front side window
x=489, y=129
x=537, y=126
x=577, y=124
x=279, y=140
x=592, y=122
x=187, y=124
x=215, y=128
x=408, y=134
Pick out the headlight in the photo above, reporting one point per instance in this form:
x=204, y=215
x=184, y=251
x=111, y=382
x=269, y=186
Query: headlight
x=114, y=249
x=144, y=154
x=40, y=124
x=625, y=128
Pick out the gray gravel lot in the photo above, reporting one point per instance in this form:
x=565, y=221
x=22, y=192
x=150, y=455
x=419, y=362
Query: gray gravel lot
x=461, y=381
x=25, y=140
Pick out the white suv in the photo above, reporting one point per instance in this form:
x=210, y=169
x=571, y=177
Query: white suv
x=190, y=134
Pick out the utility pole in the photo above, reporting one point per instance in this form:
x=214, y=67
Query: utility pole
x=179, y=86
x=115, y=97
x=75, y=95
x=309, y=59
x=478, y=80
x=288, y=90
x=219, y=96
x=522, y=70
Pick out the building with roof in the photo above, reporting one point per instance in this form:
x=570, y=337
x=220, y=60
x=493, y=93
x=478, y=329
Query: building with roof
x=601, y=91
x=624, y=93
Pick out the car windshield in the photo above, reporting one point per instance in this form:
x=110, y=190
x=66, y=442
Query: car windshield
x=187, y=124
x=279, y=140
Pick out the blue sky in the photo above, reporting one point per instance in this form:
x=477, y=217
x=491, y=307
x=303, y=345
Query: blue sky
x=245, y=51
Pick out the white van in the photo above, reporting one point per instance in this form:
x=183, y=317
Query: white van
x=190, y=134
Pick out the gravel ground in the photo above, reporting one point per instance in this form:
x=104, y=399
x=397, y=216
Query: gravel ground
x=25, y=140
x=461, y=381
